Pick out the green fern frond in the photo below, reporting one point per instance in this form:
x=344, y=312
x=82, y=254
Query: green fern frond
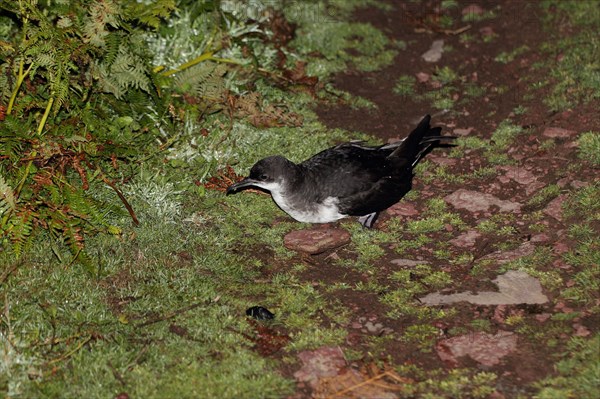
x=205, y=80
x=151, y=13
x=5, y=91
x=21, y=232
x=100, y=16
x=126, y=71
x=113, y=43
x=7, y=197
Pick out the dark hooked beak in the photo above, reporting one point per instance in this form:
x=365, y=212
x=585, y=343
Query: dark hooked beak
x=241, y=185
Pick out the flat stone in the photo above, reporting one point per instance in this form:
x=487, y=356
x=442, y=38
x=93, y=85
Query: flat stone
x=467, y=239
x=487, y=31
x=408, y=262
x=484, y=348
x=320, y=363
x=522, y=176
x=442, y=161
x=475, y=201
x=502, y=257
x=423, y=77
x=515, y=287
x=554, y=208
x=434, y=54
x=459, y=131
x=316, y=240
x=559, y=132
x=473, y=9
x=402, y=209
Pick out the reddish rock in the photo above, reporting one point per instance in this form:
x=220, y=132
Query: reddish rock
x=559, y=132
x=475, y=201
x=484, y=348
x=541, y=237
x=500, y=314
x=554, y=208
x=525, y=249
x=543, y=317
x=316, y=240
x=522, y=176
x=443, y=161
x=563, y=308
x=320, y=363
x=487, y=31
x=423, y=77
x=473, y=9
x=581, y=330
x=467, y=239
x=402, y=209
x=560, y=247
x=462, y=131
x=579, y=184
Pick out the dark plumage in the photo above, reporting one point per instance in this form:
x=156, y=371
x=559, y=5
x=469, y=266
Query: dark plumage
x=350, y=179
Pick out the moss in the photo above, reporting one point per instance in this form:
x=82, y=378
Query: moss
x=405, y=86
x=421, y=336
x=576, y=77
x=544, y=196
x=589, y=147
x=440, y=383
x=343, y=44
x=585, y=258
x=584, y=202
x=505, y=134
x=577, y=372
x=508, y=56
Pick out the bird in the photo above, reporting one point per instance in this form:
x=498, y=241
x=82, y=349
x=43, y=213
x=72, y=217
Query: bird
x=349, y=179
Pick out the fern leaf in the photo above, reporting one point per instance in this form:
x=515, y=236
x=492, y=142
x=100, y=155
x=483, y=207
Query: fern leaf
x=7, y=197
x=20, y=233
x=204, y=80
x=151, y=13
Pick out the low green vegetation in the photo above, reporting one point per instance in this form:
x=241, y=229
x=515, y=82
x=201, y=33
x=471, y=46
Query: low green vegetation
x=544, y=196
x=576, y=75
x=589, y=147
x=405, y=86
x=343, y=45
x=506, y=57
x=577, y=371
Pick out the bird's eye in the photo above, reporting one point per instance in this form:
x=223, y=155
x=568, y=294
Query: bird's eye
x=263, y=177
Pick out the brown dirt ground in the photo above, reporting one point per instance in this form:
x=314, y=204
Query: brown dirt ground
x=517, y=23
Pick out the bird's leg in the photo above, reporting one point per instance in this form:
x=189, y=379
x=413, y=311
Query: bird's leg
x=367, y=221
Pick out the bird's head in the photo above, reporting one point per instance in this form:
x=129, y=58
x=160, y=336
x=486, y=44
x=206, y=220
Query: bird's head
x=267, y=174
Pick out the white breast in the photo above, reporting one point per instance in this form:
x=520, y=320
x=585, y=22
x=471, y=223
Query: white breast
x=324, y=212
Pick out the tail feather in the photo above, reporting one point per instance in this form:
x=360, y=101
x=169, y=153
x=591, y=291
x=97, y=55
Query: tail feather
x=420, y=141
